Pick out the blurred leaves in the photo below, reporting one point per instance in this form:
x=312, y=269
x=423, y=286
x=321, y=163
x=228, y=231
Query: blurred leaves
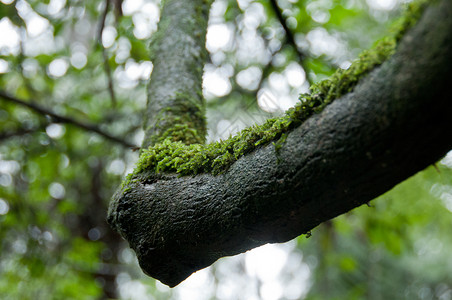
x=397, y=248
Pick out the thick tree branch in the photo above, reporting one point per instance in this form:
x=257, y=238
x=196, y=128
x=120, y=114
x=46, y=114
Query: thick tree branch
x=395, y=123
x=176, y=107
x=63, y=119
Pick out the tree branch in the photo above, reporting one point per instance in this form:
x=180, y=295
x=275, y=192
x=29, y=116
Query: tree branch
x=289, y=34
x=176, y=107
x=18, y=132
x=290, y=38
x=63, y=119
x=107, y=68
x=391, y=126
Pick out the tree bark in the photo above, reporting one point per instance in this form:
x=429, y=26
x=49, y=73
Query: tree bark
x=176, y=106
x=395, y=123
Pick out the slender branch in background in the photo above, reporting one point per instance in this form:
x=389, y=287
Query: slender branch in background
x=63, y=119
x=107, y=68
x=110, y=77
x=18, y=132
x=118, y=8
x=289, y=35
x=103, y=17
x=290, y=38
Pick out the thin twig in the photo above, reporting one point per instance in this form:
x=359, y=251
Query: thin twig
x=63, y=119
x=290, y=38
x=19, y=132
x=118, y=9
x=110, y=77
x=289, y=33
x=100, y=30
x=107, y=68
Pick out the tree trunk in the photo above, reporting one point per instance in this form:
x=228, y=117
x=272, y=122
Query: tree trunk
x=395, y=123
x=176, y=106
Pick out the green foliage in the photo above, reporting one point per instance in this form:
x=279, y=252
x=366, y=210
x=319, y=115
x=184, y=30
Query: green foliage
x=396, y=248
x=56, y=179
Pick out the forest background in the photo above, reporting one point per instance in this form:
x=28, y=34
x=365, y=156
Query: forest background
x=73, y=78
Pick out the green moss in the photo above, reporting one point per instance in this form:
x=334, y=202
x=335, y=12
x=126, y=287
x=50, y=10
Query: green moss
x=182, y=120
x=178, y=112
x=215, y=158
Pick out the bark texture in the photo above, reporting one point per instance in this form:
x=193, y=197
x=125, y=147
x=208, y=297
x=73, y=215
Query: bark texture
x=176, y=106
x=395, y=123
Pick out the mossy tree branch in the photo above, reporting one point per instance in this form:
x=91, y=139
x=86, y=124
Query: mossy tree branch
x=176, y=108
x=389, y=127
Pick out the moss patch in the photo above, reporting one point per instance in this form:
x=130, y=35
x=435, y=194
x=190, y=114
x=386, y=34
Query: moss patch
x=215, y=158
x=176, y=107
x=182, y=120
